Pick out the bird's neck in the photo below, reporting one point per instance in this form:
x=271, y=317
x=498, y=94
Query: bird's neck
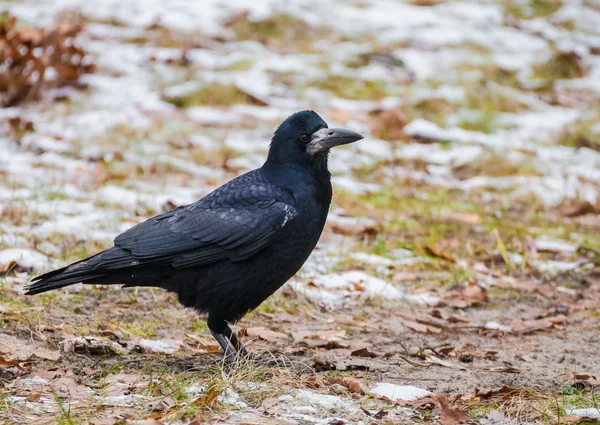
x=311, y=178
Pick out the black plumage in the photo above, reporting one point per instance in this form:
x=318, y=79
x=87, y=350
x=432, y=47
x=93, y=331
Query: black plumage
x=229, y=251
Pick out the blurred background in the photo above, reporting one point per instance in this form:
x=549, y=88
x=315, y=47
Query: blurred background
x=480, y=167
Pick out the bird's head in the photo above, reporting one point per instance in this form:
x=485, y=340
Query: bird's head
x=304, y=136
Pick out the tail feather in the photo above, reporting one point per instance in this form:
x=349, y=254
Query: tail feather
x=113, y=266
x=60, y=278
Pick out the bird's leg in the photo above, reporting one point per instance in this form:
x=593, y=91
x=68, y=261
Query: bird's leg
x=224, y=343
x=235, y=341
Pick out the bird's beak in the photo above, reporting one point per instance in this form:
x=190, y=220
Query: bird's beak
x=327, y=138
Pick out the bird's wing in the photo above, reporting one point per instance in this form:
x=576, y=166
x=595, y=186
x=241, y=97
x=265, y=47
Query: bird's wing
x=235, y=221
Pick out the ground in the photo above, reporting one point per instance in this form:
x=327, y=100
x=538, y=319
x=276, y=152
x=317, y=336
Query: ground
x=457, y=279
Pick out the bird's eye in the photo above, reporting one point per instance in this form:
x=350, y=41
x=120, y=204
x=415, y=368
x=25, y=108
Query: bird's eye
x=304, y=138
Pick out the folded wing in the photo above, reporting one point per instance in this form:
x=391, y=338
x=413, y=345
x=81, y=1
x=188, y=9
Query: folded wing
x=235, y=222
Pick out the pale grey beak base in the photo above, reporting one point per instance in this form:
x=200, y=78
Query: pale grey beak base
x=327, y=138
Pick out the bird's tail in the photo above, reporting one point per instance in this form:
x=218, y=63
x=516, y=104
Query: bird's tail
x=75, y=273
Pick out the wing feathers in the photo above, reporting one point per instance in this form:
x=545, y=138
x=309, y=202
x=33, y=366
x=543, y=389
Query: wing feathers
x=235, y=221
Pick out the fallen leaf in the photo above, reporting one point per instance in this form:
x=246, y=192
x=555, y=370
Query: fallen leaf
x=524, y=358
x=529, y=326
x=389, y=124
x=33, y=397
x=434, y=251
x=504, y=369
x=378, y=415
x=363, y=352
x=149, y=421
x=92, y=345
x=445, y=363
x=10, y=363
x=464, y=218
x=582, y=377
x=204, y=345
x=472, y=294
x=486, y=393
x=208, y=397
x=105, y=421
x=419, y=327
x=338, y=359
x=7, y=266
x=266, y=334
x=578, y=208
x=450, y=415
x=352, y=384
x=329, y=339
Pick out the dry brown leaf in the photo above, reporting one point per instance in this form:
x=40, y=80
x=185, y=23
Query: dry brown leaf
x=577, y=208
x=388, y=125
x=203, y=344
x=471, y=294
x=314, y=382
x=524, y=358
x=419, y=327
x=149, y=421
x=266, y=334
x=30, y=55
x=530, y=326
x=352, y=384
x=6, y=267
x=379, y=415
x=104, y=421
x=582, y=377
x=92, y=345
x=486, y=393
x=338, y=359
x=435, y=251
x=445, y=363
x=33, y=397
x=464, y=218
x=208, y=397
x=329, y=339
x=363, y=352
x=10, y=363
x=505, y=369
x=448, y=414
x=426, y=402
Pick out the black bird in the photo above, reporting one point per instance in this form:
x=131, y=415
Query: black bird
x=228, y=252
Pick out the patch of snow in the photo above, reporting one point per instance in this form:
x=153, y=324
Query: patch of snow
x=350, y=287
x=589, y=412
x=546, y=244
x=33, y=384
x=554, y=266
x=351, y=185
x=43, y=404
x=125, y=400
x=162, y=346
x=497, y=326
x=231, y=398
x=325, y=401
x=398, y=392
x=25, y=258
x=373, y=259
